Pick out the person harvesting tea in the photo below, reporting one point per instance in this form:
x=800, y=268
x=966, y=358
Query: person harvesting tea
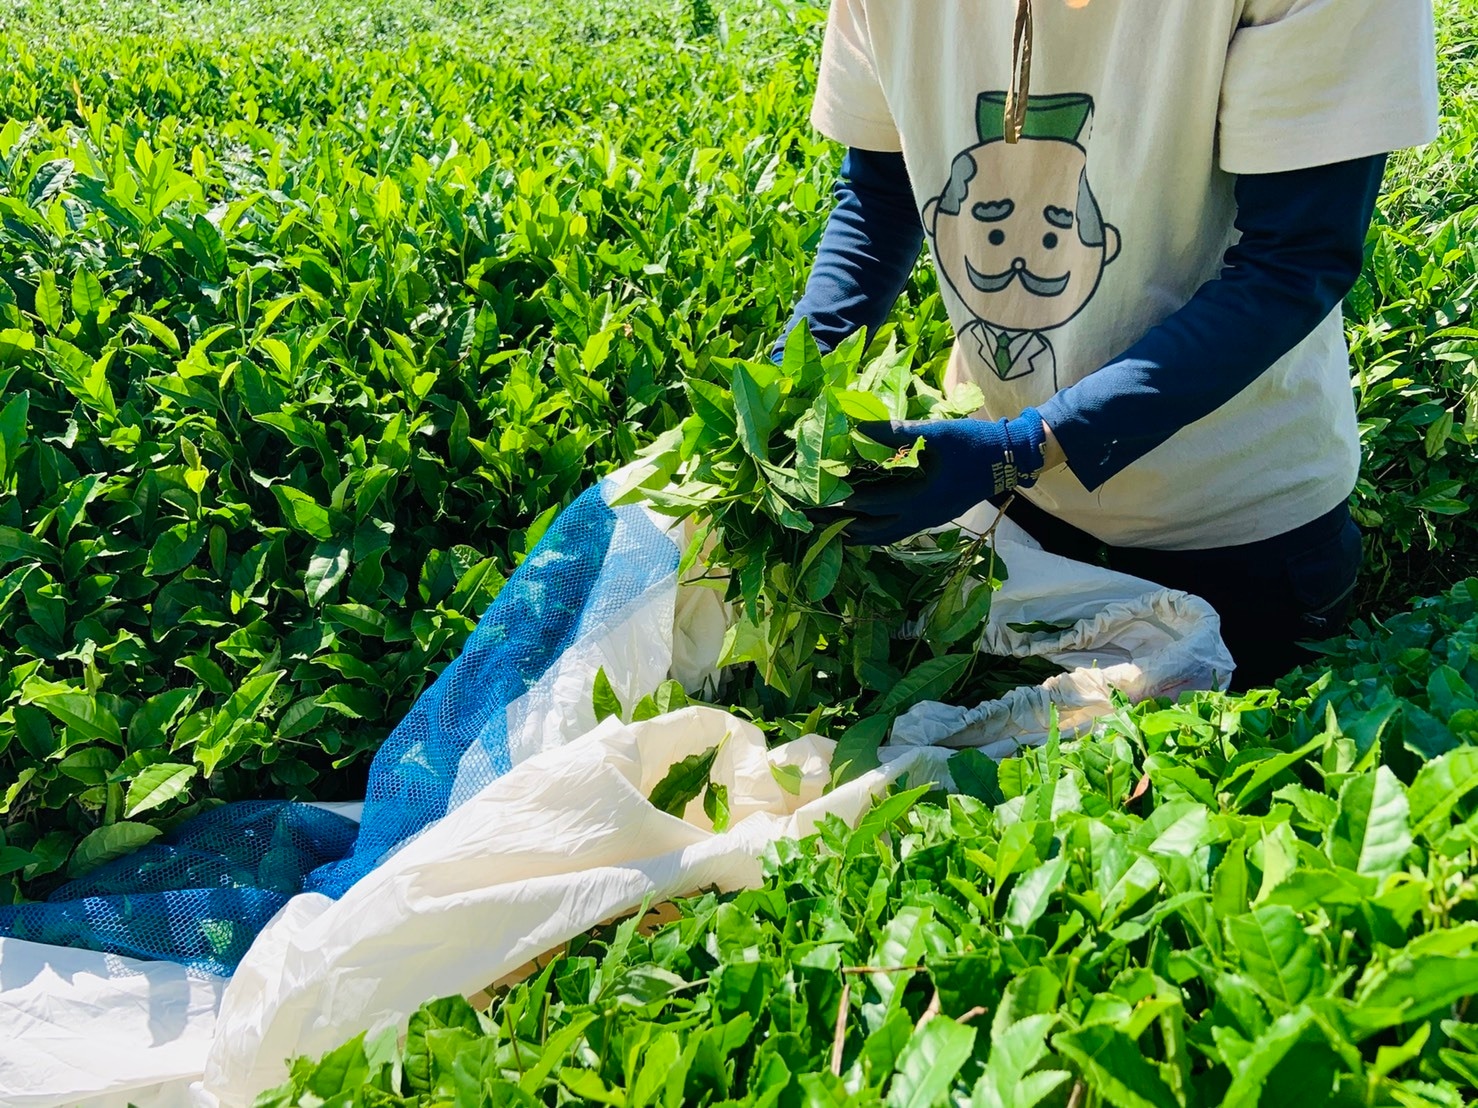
x=1144, y=217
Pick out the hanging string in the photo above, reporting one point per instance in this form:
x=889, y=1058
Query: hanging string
x=1021, y=71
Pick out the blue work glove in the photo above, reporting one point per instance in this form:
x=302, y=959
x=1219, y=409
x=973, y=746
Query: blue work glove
x=965, y=461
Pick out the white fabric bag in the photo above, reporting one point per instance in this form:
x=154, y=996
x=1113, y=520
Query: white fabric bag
x=563, y=842
x=1117, y=633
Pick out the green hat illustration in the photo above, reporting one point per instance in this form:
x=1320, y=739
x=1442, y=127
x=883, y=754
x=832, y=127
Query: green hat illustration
x=1067, y=116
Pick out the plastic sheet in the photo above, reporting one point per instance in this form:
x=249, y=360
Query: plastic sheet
x=501, y=822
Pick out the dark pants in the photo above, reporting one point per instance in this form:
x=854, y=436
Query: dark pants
x=1272, y=595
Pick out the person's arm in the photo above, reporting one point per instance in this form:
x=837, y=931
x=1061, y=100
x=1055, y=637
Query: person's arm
x=866, y=254
x=1302, y=247
x=1300, y=252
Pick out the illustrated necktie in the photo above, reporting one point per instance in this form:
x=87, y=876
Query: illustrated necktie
x=1003, y=355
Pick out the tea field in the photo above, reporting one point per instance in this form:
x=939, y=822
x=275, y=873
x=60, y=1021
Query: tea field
x=312, y=318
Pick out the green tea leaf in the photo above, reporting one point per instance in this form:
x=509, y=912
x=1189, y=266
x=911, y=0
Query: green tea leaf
x=48, y=301
x=1371, y=833
x=1388, y=1059
x=684, y=781
x=1438, y=788
x=642, y=985
x=358, y=617
x=15, y=344
x=13, y=425
x=670, y=697
x=857, y=750
x=106, y=843
x=1033, y=992
x=1279, y=956
x=175, y=549
x=448, y=1015
x=714, y=406
x=752, y=411
x=1266, y=772
x=156, y=785
x=1251, y=1072
x=51, y=179
x=962, y=612
x=158, y=330
x=716, y=806
x=34, y=733
x=801, y=358
x=1012, y=1078
x=16, y=543
x=14, y=859
x=929, y=1064
x=860, y=406
x=880, y=817
x=87, y=294
x=822, y=563
x=327, y=567
x=1412, y=988
x=83, y=715
x=590, y=1089
x=929, y=680
x=340, y=1071
x=1033, y=892
x=243, y=706
x=976, y=775
x=91, y=765
x=1113, y=1065
x=605, y=701
x=556, y=1050
x=881, y=1050
x=817, y=434
x=16, y=787
x=788, y=777
x=302, y=513
x=899, y=947
x=82, y=494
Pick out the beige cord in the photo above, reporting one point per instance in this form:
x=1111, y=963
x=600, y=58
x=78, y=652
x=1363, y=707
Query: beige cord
x=1021, y=71
x=1021, y=67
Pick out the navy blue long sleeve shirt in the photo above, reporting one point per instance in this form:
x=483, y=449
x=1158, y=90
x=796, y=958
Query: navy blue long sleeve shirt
x=1300, y=251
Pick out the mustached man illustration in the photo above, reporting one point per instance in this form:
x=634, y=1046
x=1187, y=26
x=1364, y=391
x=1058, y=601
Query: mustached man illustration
x=1145, y=215
x=1018, y=234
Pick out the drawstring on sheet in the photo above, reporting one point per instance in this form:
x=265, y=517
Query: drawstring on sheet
x=1021, y=71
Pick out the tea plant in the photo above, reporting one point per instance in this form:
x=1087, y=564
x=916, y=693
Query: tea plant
x=312, y=317
x=290, y=383
x=1412, y=340
x=1226, y=901
x=764, y=466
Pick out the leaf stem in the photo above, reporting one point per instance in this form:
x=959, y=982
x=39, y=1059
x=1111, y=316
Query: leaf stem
x=933, y=1009
x=114, y=806
x=839, y=1035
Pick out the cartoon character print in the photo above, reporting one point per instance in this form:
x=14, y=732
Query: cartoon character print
x=1018, y=234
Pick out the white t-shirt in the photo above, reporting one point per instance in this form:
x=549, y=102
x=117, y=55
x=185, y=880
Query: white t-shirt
x=1058, y=252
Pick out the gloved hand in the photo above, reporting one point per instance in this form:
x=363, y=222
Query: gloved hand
x=964, y=462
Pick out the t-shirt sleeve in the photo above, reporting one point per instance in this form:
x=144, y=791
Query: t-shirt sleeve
x=850, y=107
x=1311, y=82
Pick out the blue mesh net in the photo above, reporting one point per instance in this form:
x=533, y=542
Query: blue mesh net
x=200, y=895
x=197, y=896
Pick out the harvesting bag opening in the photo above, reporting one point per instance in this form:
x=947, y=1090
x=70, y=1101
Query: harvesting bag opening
x=501, y=819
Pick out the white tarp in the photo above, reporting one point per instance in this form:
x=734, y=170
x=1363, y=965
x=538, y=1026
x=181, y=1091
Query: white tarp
x=1118, y=632
x=563, y=842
